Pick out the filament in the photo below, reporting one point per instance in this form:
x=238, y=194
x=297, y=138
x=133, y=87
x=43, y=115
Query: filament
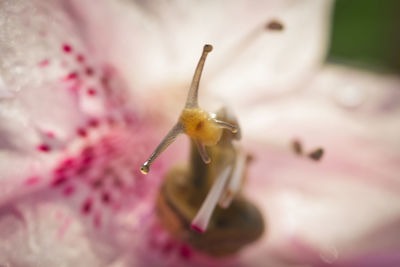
x=201, y=220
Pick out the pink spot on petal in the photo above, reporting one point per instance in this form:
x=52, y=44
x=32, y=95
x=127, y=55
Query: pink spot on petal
x=81, y=132
x=69, y=190
x=129, y=119
x=59, y=180
x=80, y=58
x=185, y=252
x=93, y=123
x=32, y=180
x=106, y=198
x=67, y=163
x=91, y=92
x=89, y=71
x=97, y=183
x=87, y=206
x=81, y=170
x=87, y=160
x=87, y=151
x=67, y=48
x=50, y=134
x=44, y=63
x=97, y=219
x=60, y=170
x=168, y=247
x=72, y=76
x=111, y=121
x=74, y=88
x=43, y=148
x=64, y=227
x=104, y=81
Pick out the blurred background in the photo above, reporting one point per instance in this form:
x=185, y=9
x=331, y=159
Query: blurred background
x=366, y=34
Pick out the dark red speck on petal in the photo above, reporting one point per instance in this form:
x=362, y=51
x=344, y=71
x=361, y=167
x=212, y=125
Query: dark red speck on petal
x=44, y=148
x=111, y=121
x=59, y=180
x=81, y=132
x=93, y=123
x=72, y=75
x=89, y=71
x=32, y=180
x=67, y=48
x=68, y=162
x=167, y=248
x=50, y=134
x=97, y=220
x=117, y=182
x=80, y=58
x=87, y=160
x=87, y=151
x=87, y=206
x=81, y=170
x=91, y=92
x=69, y=190
x=104, y=81
x=106, y=198
x=60, y=170
x=185, y=252
x=44, y=63
x=63, y=166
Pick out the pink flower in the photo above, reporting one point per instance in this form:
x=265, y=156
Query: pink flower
x=88, y=88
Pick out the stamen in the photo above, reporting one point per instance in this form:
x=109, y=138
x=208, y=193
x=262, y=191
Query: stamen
x=191, y=101
x=201, y=220
x=202, y=151
x=168, y=139
x=234, y=183
x=227, y=125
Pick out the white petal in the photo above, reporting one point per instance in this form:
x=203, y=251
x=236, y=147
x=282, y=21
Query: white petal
x=48, y=234
x=334, y=205
x=235, y=180
x=160, y=55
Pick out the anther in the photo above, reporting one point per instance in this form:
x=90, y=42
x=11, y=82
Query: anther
x=297, y=147
x=274, y=25
x=316, y=154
